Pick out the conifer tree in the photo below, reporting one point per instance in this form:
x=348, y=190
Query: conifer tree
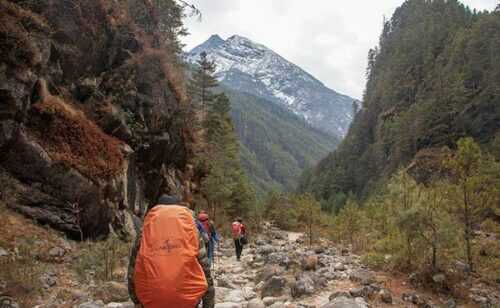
x=309, y=214
x=225, y=186
x=474, y=189
x=202, y=82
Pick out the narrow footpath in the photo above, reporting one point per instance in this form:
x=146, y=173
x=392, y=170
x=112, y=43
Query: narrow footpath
x=280, y=270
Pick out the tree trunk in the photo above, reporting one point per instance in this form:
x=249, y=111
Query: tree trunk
x=467, y=228
x=310, y=234
x=434, y=261
x=409, y=251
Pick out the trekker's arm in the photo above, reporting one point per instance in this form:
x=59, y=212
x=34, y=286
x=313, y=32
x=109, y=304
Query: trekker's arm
x=203, y=258
x=131, y=269
x=202, y=252
x=215, y=235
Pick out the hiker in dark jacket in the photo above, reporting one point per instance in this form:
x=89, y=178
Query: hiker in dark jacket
x=209, y=297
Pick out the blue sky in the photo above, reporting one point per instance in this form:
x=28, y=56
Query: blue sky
x=328, y=38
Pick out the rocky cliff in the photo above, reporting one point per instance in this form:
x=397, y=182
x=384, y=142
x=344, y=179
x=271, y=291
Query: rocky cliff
x=91, y=113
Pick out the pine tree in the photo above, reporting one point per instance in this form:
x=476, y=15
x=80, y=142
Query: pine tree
x=202, y=82
x=309, y=211
x=474, y=189
x=225, y=186
x=201, y=86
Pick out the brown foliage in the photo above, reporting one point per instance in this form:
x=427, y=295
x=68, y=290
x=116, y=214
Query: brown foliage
x=173, y=73
x=69, y=137
x=15, y=38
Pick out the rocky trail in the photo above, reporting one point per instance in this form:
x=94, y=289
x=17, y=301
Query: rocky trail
x=277, y=269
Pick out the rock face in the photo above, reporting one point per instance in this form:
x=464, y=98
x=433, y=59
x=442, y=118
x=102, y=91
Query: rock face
x=89, y=124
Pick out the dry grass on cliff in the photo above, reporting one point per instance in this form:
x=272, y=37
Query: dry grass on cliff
x=69, y=137
x=174, y=75
x=16, y=28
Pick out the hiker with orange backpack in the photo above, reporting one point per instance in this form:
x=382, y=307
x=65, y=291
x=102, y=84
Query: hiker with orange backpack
x=168, y=264
x=213, y=237
x=238, y=230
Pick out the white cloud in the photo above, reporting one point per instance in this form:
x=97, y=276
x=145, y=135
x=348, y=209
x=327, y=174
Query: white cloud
x=328, y=38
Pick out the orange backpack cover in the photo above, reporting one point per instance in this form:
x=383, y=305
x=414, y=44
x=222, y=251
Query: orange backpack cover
x=167, y=271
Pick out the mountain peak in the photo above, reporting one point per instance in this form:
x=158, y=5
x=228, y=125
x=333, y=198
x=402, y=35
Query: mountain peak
x=247, y=66
x=215, y=39
x=213, y=42
x=240, y=38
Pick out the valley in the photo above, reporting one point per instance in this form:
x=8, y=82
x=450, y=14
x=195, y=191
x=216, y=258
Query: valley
x=123, y=135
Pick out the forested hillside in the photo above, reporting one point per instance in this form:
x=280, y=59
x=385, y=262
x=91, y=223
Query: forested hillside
x=434, y=78
x=276, y=145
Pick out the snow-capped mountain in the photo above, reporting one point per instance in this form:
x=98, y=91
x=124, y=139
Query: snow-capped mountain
x=253, y=68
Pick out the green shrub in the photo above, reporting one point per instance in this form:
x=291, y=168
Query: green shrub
x=100, y=260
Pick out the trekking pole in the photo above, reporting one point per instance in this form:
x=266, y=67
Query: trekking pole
x=213, y=263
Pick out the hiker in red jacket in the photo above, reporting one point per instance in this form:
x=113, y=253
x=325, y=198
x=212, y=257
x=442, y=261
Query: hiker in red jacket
x=213, y=236
x=239, y=236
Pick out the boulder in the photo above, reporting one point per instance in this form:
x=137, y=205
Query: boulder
x=235, y=296
x=309, y=263
x=92, y=304
x=48, y=280
x=451, y=303
x=267, y=272
x=221, y=293
x=3, y=286
x=339, y=294
x=364, y=291
x=3, y=252
x=339, y=266
x=279, y=258
x=8, y=302
x=223, y=281
x=304, y=285
x=265, y=250
x=414, y=299
x=228, y=305
x=274, y=286
x=256, y=303
x=77, y=295
x=268, y=301
x=362, y=276
x=385, y=296
x=120, y=305
x=319, y=281
x=260, y=242
x=249, y=293
x=345, y=302
x=319, y=250
x=278, y=235
x=439, y=278
x=56, y=252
